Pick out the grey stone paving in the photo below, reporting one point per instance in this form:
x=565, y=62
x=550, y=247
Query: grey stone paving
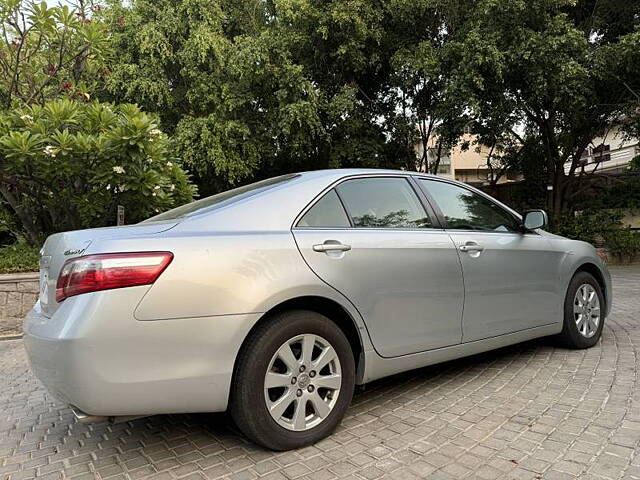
x=529, y=411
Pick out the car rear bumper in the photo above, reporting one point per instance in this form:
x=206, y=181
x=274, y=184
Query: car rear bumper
x=93, y=354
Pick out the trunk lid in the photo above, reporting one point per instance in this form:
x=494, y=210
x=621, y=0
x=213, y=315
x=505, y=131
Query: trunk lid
x=60, y=247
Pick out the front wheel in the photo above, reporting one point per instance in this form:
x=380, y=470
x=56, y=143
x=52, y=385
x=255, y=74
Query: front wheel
x=584, y=311
x=294, y=380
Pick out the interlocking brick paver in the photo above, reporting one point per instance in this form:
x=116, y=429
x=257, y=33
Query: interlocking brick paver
x=533, y=410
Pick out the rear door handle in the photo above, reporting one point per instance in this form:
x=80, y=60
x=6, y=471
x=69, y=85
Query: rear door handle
x=331, y=247
x=471, y=247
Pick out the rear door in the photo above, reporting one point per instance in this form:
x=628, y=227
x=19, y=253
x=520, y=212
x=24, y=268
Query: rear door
x=509, y=276
x=373, y=239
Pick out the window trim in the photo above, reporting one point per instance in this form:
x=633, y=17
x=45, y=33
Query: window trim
x=443, y=220
x=431, y=213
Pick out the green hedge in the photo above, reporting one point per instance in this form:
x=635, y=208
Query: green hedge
x=18, y=258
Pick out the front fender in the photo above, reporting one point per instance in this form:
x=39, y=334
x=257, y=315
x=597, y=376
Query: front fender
x=582, y=256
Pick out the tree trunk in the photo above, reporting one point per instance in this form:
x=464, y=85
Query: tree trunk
x=32, y=235
x=436, y=164
x=557, y=195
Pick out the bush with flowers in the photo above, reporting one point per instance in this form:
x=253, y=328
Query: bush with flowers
x=67, y=165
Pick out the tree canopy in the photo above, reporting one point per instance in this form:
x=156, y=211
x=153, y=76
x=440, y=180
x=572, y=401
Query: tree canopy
x=255, y=88
x=246, y=89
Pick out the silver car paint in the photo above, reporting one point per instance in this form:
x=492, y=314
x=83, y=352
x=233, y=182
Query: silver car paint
x=509, y=286
x=171, y=347
x=407, y=284
x=93, y=354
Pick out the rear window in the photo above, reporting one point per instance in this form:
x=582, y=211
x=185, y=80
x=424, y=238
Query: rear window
x=223, y=198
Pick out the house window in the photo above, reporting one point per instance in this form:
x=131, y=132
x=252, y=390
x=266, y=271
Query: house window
x=601, y=153
x=444, y=169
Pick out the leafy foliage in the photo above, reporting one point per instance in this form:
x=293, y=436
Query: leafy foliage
x=249, y=89
x=226, y=87
x=589, y=225
x=67, y=165
x=253, y=90
x=48, y=52
x=602, y=228
x=561, y=70
x=19, y=257
x=623, y=243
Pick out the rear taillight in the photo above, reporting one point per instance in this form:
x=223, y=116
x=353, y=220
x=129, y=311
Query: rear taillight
x=110, y=270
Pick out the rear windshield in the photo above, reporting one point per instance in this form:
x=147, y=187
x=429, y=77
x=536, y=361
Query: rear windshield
x=226, y=198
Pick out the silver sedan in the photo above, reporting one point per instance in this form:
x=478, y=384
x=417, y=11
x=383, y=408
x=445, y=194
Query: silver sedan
x=275, y=299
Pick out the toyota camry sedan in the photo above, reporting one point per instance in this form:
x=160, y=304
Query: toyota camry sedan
x=275, y=299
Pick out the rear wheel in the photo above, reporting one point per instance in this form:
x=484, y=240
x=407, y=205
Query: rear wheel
x=583, y=312
x=294, y=380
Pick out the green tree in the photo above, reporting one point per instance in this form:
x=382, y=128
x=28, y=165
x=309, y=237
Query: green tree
x=561, y=68
x=46, y=52
x=423, y=99
x=254, y=89
x=220, y=80
x=68, y=164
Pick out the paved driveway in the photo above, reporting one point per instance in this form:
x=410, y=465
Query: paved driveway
x=528, y=411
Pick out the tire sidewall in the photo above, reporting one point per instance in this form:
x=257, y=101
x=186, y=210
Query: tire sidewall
x=254, y=368
x=570, y=330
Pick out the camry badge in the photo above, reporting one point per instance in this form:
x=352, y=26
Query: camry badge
x=74, y=252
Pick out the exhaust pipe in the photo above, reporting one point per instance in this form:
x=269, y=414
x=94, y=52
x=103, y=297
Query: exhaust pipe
x=82, y=417
x=85, y=418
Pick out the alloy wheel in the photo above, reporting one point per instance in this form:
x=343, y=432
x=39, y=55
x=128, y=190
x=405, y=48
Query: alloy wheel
x=586, y=310
x=302, y=382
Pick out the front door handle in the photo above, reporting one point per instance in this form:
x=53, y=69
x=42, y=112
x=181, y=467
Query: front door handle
x=471, y=247
x=331, y=246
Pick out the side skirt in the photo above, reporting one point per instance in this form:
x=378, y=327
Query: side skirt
x=378, y=367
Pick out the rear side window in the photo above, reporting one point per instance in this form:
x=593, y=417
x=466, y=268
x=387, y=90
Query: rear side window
x=327, y=212
x=223, y=198
x=383, y=202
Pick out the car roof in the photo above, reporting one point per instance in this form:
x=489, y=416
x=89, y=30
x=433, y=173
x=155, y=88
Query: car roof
x=344, y=172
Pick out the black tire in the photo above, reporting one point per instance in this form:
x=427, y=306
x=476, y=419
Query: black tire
x=570, y=336
x=247, y=404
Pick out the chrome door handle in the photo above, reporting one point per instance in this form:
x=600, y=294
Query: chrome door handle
x=471, y=248
x=331, y=247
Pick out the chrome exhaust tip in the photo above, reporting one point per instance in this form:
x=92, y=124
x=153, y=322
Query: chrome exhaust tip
x=82, y=417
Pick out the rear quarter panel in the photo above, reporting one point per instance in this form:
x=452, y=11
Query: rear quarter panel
x=224, y=274
x=227, y=273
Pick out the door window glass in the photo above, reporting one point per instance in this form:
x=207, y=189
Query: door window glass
x=384, y=202
x=466, y=210
x=327, y=212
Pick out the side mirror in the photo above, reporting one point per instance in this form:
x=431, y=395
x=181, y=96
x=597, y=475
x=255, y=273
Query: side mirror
x=534, y=219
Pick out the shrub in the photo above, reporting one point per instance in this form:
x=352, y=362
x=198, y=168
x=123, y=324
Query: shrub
x=601, y=228
x=589, y=225
x=623, y=243
x=18, y=257
x=68, y=165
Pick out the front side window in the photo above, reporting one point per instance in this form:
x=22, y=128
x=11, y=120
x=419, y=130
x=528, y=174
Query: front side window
x=466, y=210
x=326, y=213
x=384, y=202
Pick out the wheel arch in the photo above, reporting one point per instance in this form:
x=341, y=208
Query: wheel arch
x=331, y=309
x=593, y=269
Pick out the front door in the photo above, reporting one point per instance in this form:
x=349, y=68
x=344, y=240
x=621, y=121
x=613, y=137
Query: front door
x=372, y=239
x=509, y=276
